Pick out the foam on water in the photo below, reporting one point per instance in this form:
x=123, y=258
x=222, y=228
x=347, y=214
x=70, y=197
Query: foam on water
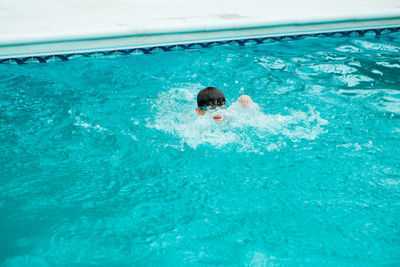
x=247, y=129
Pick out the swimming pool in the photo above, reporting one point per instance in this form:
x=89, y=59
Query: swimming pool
x=104, y=161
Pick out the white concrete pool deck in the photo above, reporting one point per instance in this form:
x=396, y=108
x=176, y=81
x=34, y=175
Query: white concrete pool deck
x=46, y=27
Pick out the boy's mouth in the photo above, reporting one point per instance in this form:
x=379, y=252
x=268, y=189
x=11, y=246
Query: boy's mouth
x=217, y=118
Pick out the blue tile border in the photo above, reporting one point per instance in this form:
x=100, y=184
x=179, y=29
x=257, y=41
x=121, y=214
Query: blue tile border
x=238, y=42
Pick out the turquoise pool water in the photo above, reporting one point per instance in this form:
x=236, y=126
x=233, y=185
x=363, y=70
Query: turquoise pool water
x=104, y=161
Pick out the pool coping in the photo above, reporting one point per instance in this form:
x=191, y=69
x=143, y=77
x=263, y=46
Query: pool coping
x=64, y=55
x=168, y=34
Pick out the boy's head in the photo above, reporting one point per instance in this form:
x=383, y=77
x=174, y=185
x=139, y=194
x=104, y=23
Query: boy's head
x=209, y=97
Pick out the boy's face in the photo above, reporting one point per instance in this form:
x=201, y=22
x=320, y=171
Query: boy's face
x=216, y=117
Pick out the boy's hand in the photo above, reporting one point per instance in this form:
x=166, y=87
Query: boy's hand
x=245, y=100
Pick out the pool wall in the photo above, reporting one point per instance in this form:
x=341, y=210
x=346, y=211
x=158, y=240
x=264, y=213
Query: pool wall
x=82, y=30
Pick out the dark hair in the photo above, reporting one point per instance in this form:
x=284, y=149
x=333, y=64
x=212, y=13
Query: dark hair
x=210, y=96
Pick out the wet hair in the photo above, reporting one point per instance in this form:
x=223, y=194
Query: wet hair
x=210, y=97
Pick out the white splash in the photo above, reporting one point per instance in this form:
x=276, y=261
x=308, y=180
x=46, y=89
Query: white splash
x=247, y=129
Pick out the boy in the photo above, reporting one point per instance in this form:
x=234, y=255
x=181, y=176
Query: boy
x=211, y=98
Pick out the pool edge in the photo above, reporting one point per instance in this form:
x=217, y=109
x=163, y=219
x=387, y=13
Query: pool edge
x=146, y=44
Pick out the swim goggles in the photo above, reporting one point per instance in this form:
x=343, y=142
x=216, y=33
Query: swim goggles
x=210, y=107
